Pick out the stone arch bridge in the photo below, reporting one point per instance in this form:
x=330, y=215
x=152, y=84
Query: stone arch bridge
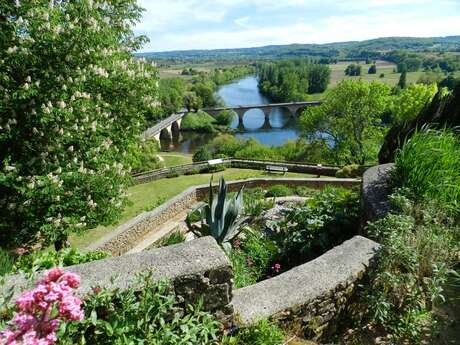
x=171, y=125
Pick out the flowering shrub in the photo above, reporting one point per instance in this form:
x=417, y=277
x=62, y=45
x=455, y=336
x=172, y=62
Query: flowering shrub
x=72, y=105
x=41, y=310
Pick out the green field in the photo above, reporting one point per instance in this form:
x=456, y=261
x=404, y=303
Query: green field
x=147, y=196
x=171, y=159
x=387, y=68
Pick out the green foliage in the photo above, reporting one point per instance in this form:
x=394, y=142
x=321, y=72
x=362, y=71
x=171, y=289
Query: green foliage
x=144, y=157
x=6, y=262
x=73, y=101
x=204, y=90
x=198, y=122
x=145, y=314
x=411, y=101
x=372, y=69
x=428, y=166
x=352, y=170
x=262, y=333
x=220, y=217
x=224, y=118
x=419, y=243
x=192, y=102
x=292, y=80
x=278, y=190
x=43, y=260
x=349, y=119
x=305, y=191
x=353, y=70
x=203, y=154
x=326, y=219
x=174, y=238
x=252, y=149
x=172, y=91
x=402, y=80
x=252, y=257
x=255, y=203
x=227, y=145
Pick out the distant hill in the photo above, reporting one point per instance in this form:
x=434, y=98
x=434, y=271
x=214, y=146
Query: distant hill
x=340, y=50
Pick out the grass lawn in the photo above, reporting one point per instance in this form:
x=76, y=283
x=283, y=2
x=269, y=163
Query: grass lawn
x=171, y=159
x=147, y=196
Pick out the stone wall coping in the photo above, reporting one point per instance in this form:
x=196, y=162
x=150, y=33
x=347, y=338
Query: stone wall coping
x=375, y=190
x=305, y=283
x=201, y=192
x=196, y=257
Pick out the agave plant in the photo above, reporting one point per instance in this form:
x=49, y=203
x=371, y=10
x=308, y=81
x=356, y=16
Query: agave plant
x=220, y=217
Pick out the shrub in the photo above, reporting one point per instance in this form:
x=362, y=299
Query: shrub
x=352, y=170
x=203, y=154
x=226, y=145
x=224, y=118
x=252, y=257
x=252, y=149
x=262, y=333
x=198, y=122
x=41, y=260
x=255, y=204
x=278, y=191
x=305, y=191
x=428, y=166
x=145, y=313
x=419, y=246
x=327, y=219
x=145, y=157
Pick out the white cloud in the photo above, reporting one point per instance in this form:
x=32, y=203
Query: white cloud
x=191, y=24
x=243, y=22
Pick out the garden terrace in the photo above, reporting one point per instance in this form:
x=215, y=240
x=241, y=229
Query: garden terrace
x=128, y=235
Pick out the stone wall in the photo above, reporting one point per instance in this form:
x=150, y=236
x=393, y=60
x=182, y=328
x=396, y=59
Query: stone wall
x=195, y=269
x=311, y=295
x=127, y=235
x=321, y=170
x=375, y=190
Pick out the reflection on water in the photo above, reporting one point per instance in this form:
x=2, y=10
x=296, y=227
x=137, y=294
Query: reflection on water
x=280, y=128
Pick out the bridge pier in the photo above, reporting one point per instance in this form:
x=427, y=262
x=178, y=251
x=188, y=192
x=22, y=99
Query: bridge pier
x=240, y=113
x=267, y=111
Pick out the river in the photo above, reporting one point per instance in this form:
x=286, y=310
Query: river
x=245, y=92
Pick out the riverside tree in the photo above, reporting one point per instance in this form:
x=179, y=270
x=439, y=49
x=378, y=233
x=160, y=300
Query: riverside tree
x=349, y=120
x=73, y=101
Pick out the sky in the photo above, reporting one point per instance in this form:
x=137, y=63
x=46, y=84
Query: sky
x=215, y=24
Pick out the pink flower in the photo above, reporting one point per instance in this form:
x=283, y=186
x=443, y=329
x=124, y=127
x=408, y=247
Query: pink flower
x=276, y=268
x=34, y=324
x=72, y=279
x=53, y=274
x=20, y=251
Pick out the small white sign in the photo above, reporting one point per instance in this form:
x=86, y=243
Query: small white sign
x=215, y=161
